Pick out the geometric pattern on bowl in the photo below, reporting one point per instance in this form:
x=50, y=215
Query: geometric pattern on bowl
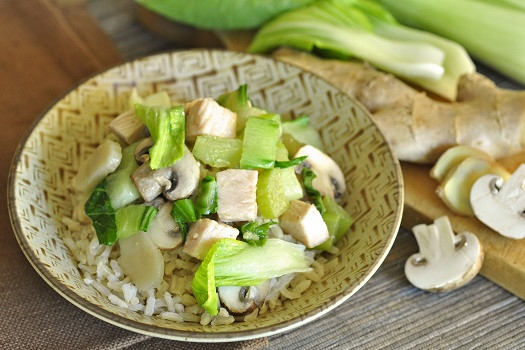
x=52, y=150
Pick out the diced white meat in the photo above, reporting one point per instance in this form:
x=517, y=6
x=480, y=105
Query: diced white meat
x=207, y=117
x=203, y=234
x=128, y=127
x=304, y=223
x=236, y=195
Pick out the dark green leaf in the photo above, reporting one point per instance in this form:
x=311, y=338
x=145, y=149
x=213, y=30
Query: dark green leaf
x=183, y=212
x=147, y=218
x=289, y=163
x=256, y=234
x=308, y=177
x=206, y=202
x=98, y=208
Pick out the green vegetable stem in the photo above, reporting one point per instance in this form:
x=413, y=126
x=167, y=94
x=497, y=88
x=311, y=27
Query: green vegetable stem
x=308, y=177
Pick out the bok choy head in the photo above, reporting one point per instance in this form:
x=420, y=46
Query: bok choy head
x=363, y=29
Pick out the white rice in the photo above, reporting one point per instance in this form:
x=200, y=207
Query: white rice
x=173, y=300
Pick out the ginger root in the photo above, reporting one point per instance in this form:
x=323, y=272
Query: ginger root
x=421, y=128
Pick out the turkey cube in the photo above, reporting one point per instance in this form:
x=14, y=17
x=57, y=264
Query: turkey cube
x=207, y=117
x=203, y=234
x=304, y=223
x=236, y=192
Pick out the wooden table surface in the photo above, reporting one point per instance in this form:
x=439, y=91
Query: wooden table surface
x=386, y=313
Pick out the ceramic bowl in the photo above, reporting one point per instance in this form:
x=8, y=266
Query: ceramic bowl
x=50, y=153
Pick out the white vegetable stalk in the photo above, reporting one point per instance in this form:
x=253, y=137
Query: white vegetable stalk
x=492, y=30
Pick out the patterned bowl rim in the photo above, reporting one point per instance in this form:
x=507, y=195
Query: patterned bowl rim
x=181, y=335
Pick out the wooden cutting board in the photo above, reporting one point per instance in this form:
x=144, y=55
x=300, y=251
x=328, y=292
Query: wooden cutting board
x=504, y=258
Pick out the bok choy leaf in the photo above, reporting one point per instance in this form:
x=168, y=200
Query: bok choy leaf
x=167, y=129
x=235, y=263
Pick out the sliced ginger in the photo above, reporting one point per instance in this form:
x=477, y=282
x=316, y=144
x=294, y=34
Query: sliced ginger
x=455, y=189
x=451, y=159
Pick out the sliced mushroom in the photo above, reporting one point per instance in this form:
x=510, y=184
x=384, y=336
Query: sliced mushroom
x=330, y=180
x=151, y=183
x=141, y=152
x=445, y=261
x=164, y=231
x=184, y=178
x=175, y=182
x=500, y=205
x=243, y=300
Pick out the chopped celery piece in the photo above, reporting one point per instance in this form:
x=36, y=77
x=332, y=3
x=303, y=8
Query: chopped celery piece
x=291, y=185
x=345, y=220
x=206, y=202
x=102, y=214
x=332, y=223
x=301, y=131
x=167, y=129
x=183, y=212
x=274, y=117
x=259, y=144
x=271, y=200
x=337, y=220
x=230, y=262
x=291, y=144
x=238, y=102
x=308, y=178
x=255, y=234
x=134, y=218
x=281, y=154
x=219, y=152
x=119, y=186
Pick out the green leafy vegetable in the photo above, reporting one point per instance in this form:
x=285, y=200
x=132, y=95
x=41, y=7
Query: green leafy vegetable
x=271, y=198
x=134, y=218
x=221, y=14
x=290, y=184
x=259, y=143
x=289, y=163
x=308, y=178
x=235, y=263
x=491, y=30
x=98, y=208
x=167, y=129
x=120, y=188
x=255, y=234
x=183, y=212
x=206, y=202
x=363, y=29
